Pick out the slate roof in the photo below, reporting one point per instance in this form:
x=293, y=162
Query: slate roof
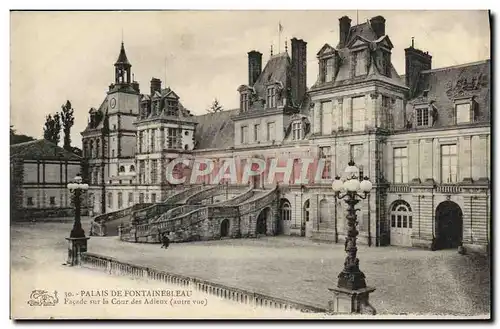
x=364, y=30
x=443, y=86
x=215, y=130
x=39, y=150
x=274, y=71
x=122, y=58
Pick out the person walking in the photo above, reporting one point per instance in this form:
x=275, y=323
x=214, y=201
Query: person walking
x=165, y=240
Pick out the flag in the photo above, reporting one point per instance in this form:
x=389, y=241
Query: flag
x=280, y=28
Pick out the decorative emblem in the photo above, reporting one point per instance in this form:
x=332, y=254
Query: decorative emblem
x=465, y=86
x=43, y=298
x=113, y=103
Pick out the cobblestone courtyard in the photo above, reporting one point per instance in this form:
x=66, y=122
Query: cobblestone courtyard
x=408, y=281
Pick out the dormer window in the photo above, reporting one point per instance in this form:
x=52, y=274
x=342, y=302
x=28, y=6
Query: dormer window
x=244, y=103
x=297, y=130
x=465, y=111
x=423, y=117
x=329, y=69
x=359, y=63
x=171, y=107
x=271, y=97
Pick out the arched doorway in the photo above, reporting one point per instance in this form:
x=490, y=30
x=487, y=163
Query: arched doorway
x=261, y=227
x=401, y=223
x=224, y=228
x=449, y=225
x=284, y=221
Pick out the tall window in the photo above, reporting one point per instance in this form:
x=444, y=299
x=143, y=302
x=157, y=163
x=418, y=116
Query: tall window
x=110, y=200
x=297, y=130
x=120, y=200
x=141, y=139
x=174, y=138
x=463, y=113
x=130, y=198
x=422, y=117
x=154, y=171
x=244, y=134
x=324, y=211
x=329, y=70
x=256, y=132
x=153, y=197
x=52, y=200
x=449, y=163
x=325, y=152
x=141, y=197
x=244, y=102
x=29, y=201
x=401, y=215
x=142, y=171
x=271, y=131
x=271, y=97
x=153, y=140
x=358, y=113
x=360, y=63
x=400, y=165
x=326, y=118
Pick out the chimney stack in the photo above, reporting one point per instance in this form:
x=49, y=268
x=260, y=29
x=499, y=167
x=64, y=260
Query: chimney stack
x=254, y=66
x=378, y=25
x=416, y=61
x=345, y=26
x=155, y=85
x=299, y=70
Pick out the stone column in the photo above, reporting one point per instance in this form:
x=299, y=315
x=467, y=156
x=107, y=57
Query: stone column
x=465, y=159
x=413, y=160
x=373, y=119
x=340, y=113
x=316, y=118
x=426, y=154
x=347, y=114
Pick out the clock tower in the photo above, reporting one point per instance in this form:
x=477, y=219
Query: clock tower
x=122, y=110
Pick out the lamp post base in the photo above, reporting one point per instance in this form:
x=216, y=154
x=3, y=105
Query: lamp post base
x=75, y=247
x=347, y=301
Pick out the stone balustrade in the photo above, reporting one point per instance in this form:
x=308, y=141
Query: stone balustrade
x=120, y=213
x=182, y=195
x=448, y=189
x=115, y=267
x=399, y=188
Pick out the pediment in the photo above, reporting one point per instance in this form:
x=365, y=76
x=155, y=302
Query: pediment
x=358, y=41
x=326, y=50
x=385, y=42
x=172, y=94
x=156, y=95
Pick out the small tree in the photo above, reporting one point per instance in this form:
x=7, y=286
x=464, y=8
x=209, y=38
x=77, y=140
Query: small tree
x=52, y=128
x=68, y=119
x=216, y=107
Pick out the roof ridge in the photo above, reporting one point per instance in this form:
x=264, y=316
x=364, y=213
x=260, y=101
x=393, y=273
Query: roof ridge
x=484, y=61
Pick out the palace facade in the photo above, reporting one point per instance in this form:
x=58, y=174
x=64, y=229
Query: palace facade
x=423, y=138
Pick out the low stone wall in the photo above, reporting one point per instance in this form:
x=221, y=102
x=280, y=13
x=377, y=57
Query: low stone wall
x=31, y=213
x=115, y=267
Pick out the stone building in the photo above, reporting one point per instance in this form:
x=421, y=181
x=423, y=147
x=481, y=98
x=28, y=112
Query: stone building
x=39, y=174
x=423, y=138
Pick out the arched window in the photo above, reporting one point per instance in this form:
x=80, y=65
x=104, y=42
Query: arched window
x=401, y=215
x=85, y=149
x=122, y=169
x=132, y=168
x=286, y=211
x=324, y=211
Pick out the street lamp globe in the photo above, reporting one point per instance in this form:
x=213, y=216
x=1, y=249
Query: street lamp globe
x=365, y=185
x=352, y=172
x=337, y=185
x=352, y=185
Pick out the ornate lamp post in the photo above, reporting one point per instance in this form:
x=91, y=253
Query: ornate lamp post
x=77, y=239
x=351, y=293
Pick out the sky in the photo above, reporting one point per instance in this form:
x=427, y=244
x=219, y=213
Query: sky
x=202, y=55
